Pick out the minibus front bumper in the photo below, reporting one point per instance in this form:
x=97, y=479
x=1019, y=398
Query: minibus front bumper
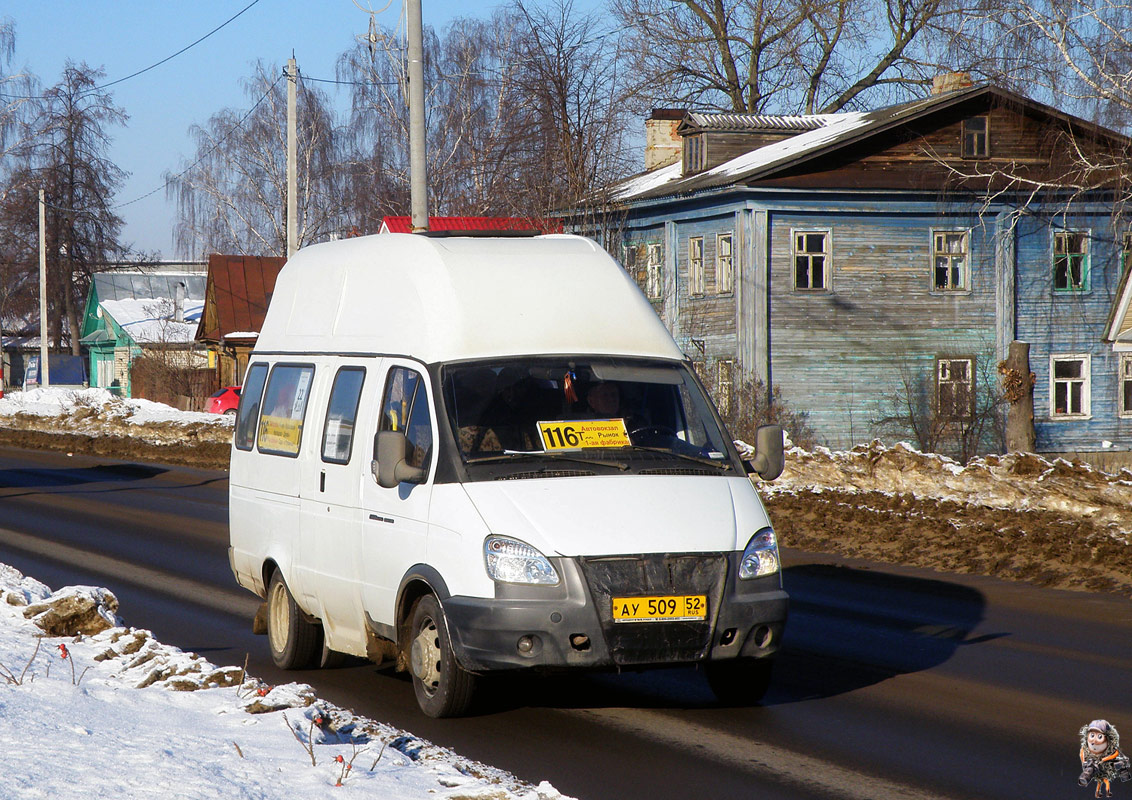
x=571, y=625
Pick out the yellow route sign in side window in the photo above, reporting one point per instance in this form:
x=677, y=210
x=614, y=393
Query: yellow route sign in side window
x=579, y=434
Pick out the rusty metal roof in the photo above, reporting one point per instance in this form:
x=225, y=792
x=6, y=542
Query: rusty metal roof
x=239, y=289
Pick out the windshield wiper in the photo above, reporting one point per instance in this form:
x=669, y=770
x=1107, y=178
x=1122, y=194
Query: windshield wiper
x=721, y=465
x=522, y=454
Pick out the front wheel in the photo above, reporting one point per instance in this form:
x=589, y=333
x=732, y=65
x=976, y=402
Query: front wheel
x=739, y=681
x=443, y=688
x=295, y=642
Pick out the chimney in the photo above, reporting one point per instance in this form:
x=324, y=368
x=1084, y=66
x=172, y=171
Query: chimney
x=950, y=82
x=662, y=145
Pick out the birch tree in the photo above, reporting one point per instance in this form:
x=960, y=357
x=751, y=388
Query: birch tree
x=231, y=197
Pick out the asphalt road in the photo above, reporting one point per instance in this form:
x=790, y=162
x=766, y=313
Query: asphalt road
x=893, y=683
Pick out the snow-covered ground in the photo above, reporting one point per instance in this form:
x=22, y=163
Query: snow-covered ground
x=118, y=714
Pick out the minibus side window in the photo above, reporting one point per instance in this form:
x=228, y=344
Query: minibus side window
x=341, y=415
x=406, y=409
x=284, y=406
x=249, y=406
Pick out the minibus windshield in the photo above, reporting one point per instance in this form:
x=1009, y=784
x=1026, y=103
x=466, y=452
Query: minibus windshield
x=614, y=412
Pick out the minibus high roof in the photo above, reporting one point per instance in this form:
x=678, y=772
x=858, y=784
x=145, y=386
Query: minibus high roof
x=455, y=298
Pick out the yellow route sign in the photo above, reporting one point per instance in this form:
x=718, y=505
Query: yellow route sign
x=280, y=434
x=579, y=434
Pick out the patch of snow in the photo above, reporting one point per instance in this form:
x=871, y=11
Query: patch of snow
x=119, y=714
x=55, y=402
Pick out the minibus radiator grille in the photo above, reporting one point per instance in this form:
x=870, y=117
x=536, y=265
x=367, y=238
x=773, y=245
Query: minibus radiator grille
x=651, y=576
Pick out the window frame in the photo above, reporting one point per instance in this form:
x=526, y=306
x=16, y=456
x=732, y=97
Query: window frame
x=1086, y=386
x=826, y=253
x=969, y=138
x=422, y=391
x=1086, y=260
x=694, y=153
x=969, y=415
x=245, y=408
x=1123, y=375
x=354, y=422
x=725, y=265
x=697, y=280
x=275, y=368
x=965, y=286
x=654, y=271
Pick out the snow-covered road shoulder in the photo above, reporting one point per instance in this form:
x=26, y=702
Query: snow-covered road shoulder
x=118, y=714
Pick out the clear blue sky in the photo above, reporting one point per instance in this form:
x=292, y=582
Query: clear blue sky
x=124, y=36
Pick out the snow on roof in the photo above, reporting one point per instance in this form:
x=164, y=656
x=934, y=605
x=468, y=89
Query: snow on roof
x=770, y=154
x=829, y=128
x=241, y=335
x=151, y=321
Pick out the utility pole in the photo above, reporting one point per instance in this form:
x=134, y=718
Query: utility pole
x=44, y=367
x=292, y=158
x=418, y=178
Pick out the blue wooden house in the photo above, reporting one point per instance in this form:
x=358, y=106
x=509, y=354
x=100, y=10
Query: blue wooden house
x=875, y=266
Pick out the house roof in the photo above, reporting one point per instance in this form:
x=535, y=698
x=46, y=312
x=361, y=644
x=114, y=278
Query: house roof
x=826, y=134
x=404, y=224
x=150, y=320
x=147, y=285
x=1118, y=329
x=697, y=120
x=238, y=293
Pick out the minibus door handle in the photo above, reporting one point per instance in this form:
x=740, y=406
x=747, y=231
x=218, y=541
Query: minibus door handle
x=322, y=481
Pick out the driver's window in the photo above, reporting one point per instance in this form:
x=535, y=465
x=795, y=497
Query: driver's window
x=405, y=408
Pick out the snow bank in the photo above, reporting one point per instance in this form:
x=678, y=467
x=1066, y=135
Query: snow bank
x=1015, y=481
x=118, y=714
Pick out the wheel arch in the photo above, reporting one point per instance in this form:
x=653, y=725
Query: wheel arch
x=419, y=580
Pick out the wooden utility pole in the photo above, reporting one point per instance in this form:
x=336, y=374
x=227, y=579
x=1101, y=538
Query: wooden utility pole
x=44, y=366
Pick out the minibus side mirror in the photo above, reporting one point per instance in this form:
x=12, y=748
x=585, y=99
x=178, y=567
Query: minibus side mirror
x=390, y=467
x=768, y=460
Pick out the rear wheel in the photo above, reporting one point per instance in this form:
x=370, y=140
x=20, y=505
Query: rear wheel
x=739, y=681
x=295, y=642
x=443, y=688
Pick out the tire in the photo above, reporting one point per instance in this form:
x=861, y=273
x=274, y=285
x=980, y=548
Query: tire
x=329, y=659
x=739, y=681
x=294, y=642
x=443, y=688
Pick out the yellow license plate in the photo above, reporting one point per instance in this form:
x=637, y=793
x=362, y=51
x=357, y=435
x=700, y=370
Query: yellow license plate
x=670, y=608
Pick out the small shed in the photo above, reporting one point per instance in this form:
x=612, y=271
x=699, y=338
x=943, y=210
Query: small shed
x=236, y=297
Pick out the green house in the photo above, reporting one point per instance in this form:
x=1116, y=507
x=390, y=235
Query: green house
x=129, y=313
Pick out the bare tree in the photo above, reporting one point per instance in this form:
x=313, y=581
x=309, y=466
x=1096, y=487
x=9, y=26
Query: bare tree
x=523, y=113
x=756, y=56
x=65, y=155
x=231, y=197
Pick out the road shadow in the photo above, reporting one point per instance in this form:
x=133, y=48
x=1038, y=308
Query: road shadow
x=849, y=628
x=16, y=482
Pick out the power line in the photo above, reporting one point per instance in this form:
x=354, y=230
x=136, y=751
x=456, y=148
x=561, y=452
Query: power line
x=140, y=71
x=238, y=126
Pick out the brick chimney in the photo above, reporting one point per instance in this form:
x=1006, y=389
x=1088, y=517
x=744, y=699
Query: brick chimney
x=662, y=145
x=950, y=82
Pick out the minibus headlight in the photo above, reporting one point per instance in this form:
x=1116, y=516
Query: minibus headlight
x=761, y=556
x=511, y=561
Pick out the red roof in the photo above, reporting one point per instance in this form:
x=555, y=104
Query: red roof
x=239, y=289
x=403, y=224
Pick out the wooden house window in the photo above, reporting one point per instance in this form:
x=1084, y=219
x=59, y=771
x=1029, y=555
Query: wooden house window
x=696, y=266
x=694, y=154
x=723, y=381
x=1126, y=385
x=653, y=264
x=724, y=265
x=1070, y=261
x=955, y=388
x=949, y=261
x=811, y=260
x=1069, y=386
x=975, y=138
